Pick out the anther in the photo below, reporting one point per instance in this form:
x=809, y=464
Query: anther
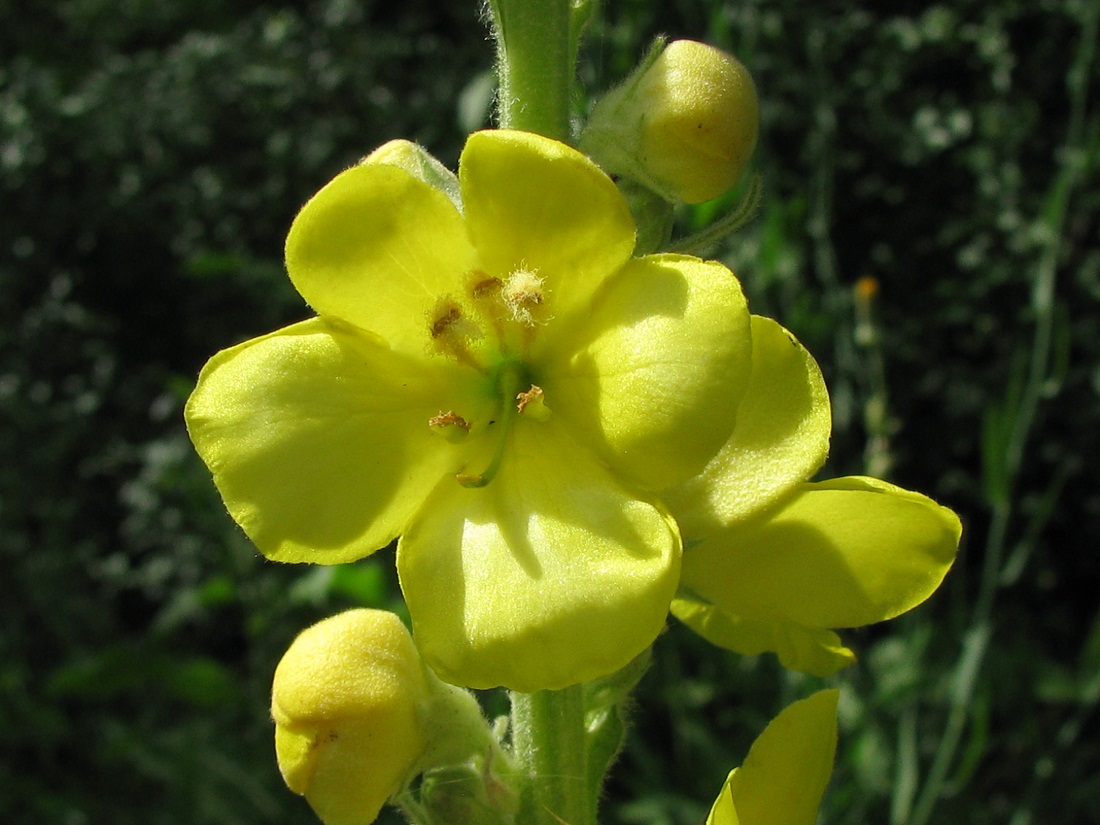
x=448, y=320
x=451, y=331
x=450, y=425
x=485, y=288
x=445, y=321
x=532, y=404
x=522, y=292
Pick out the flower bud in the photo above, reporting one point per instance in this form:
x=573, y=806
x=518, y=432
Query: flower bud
x=684, y=124
x=345, y=700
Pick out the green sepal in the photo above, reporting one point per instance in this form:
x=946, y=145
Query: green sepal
x=652, y=215
x=605, y=720
x=465, y=794
x=421, y=164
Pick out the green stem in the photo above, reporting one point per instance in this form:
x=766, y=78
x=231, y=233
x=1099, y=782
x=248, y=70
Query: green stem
x=548, y=742
x=536, y=51
x=534, y=65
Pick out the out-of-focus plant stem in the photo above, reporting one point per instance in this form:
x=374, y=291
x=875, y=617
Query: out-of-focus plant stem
x=1077, y=154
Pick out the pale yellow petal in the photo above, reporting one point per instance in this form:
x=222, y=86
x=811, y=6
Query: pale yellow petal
x=780, y=439
x=654, y=374
x=782, y=780
x=550, y=575
x=536, y=204
x=842, y=553
x=378, y=248
x=318, y=438
x=808, y=650
x=724, y=812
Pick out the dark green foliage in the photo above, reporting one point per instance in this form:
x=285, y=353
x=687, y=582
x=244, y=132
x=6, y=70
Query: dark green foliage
x=152, y=156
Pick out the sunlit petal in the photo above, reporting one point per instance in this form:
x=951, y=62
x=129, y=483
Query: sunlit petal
x=841, y=553
x=781, y=438
x=378, y=248
x=318, y=439
x=662, y=364
x=783, y=778
x=552, y=574
x=533, y=203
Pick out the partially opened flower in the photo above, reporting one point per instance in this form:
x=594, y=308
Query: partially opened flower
x=504, y=388
x=782, y=780
x=776, y=563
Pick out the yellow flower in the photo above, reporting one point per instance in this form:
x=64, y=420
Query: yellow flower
x=346, y=701
x=784, y=776
x=776, y=563
x=504, y=388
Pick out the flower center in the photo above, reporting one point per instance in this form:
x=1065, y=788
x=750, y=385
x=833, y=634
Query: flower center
x=491, y=328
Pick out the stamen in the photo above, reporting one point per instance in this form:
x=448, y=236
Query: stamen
x=533, y=404
x=451, y=331
x=448, y=320
x=485, y=288
x=445, y=321
x=522, y=292
x=450, y=425
x=488, y=301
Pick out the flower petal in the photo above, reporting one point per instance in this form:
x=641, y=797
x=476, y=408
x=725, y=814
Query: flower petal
x=783, y=778
x=318, y=438
x=550, y=575
x=724, y=812
x=378, y=248
x=663, y=361
x=841, y=553
x=807, y=650
x=781, y=438
x=537, y=204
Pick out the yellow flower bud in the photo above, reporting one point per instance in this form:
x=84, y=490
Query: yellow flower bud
x=345, y=701
x=685, y=124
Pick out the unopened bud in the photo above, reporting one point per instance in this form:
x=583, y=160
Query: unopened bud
x=684, y=124
x=346, y=700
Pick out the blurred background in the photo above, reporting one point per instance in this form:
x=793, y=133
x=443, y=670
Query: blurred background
x=929, y=229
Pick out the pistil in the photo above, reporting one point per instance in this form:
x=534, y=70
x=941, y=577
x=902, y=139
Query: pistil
x=510, y=382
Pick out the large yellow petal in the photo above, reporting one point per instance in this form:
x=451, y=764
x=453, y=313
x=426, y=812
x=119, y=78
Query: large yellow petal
x=536, y=204
x=781, y=438
x=841, y=553
x=783, y=778
x=551, y=575
x=655, y=373
x=318, y=438
x=808, y=650
x=378, y=248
